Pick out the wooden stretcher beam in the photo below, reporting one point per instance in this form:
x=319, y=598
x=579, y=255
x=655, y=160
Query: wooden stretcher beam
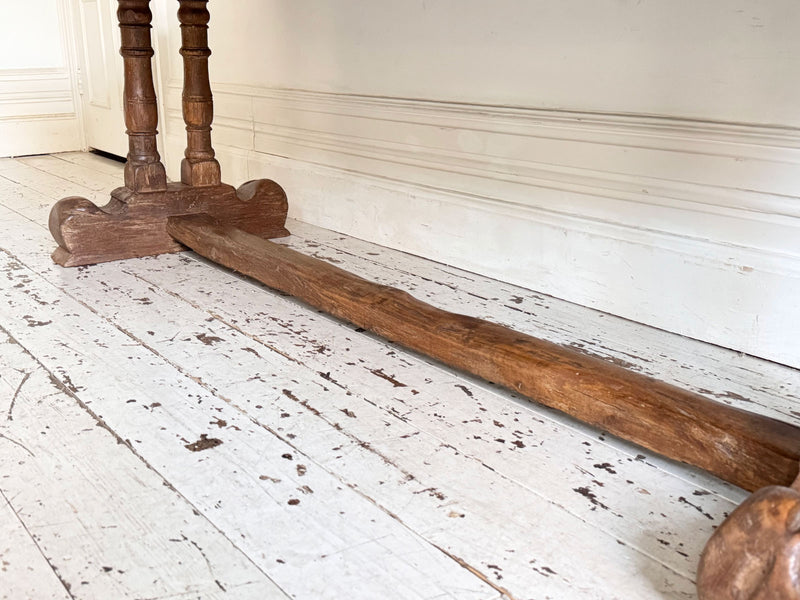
x=743, y=448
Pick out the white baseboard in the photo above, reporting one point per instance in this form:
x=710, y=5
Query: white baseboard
x=37, y=112
x=39, y=135
x=687, y=226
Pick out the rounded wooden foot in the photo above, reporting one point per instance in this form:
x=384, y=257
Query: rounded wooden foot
x=755, y=553
x=86, y=233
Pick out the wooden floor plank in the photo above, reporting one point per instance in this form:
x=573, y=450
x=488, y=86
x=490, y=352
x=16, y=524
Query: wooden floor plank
x=6, y=163
x=106, y=522
x=136, y=311
x=443, y=485
x=50, y=185
x=26, y=202
x=24, y=571
x=87, y=176
x=314, y=535
x=95, y=162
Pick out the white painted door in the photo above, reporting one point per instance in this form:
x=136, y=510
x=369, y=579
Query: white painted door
x=102, y=76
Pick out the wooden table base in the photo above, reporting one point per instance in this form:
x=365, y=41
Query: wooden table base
x=133, y=223
x=753, y=555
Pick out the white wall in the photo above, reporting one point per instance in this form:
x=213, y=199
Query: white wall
x=639, y=157
x=722, y=60
x=38, y=108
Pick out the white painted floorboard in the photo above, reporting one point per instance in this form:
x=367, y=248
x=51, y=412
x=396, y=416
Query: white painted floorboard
x=107, y=523
x=335, y=465
x=24, y=570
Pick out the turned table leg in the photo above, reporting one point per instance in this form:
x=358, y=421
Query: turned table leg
x=143, y=171
x=133, y=223
x=199, y=168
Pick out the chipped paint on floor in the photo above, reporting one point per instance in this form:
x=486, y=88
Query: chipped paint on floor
x=169, y=428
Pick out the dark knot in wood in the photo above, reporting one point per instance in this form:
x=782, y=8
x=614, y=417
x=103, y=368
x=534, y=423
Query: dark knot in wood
x=755, y=553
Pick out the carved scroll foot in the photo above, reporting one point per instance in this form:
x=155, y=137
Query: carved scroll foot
x=755, y=553
x=133, y=224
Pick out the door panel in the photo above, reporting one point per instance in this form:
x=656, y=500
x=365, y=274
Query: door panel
x=103, y=77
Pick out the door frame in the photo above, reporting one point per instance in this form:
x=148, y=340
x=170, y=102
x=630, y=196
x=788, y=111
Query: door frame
x=72, y=49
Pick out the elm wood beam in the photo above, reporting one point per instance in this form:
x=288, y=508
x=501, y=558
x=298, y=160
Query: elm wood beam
x=746, y=449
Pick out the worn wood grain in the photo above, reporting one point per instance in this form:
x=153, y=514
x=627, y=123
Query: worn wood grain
x=746, y=449
x=133, y=222
x=377, y=460
x=144, y=171
x=726, y=376
x=663, y=510
x=754, y=553
x=199, y=167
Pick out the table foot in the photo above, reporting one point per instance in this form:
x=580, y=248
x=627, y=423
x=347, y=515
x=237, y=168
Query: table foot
x=134, y=224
